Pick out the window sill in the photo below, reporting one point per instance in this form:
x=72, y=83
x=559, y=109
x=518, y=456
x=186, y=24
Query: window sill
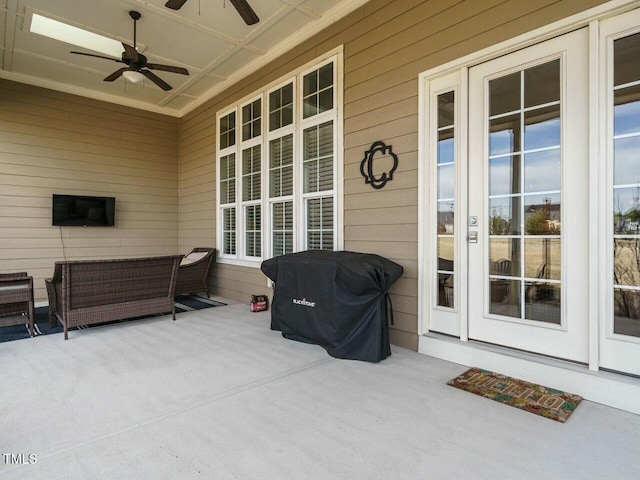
x=240, y=263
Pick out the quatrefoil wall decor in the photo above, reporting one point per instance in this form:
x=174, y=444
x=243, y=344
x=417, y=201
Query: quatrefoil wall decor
x=366, y=166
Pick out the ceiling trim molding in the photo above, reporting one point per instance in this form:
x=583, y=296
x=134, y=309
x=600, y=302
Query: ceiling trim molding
x=84, y=92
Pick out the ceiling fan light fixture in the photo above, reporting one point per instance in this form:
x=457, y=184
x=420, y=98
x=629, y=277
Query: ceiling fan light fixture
x=133, y=76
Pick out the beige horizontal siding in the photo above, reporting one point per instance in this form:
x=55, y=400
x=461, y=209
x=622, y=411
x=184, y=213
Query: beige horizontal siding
x=387, y=44
x=51, y=142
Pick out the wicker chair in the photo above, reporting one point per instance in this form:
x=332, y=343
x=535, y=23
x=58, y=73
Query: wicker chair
x=194, y=271
x=16, y=299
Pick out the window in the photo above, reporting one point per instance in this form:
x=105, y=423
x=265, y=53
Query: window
x=251, y=120
x=445, y=190
x=282, y=195
x=281, y=107
x=626, y=185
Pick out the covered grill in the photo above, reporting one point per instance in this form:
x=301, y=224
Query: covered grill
x=337, y=300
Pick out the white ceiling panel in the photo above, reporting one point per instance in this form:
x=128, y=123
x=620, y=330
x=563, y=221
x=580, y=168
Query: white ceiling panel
x=208, y=37
x=202, y=84
x=239, y=59
x=288, y=25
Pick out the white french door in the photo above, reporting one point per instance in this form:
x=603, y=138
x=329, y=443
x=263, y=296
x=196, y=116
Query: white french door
x=528, y=199
x=620, y=289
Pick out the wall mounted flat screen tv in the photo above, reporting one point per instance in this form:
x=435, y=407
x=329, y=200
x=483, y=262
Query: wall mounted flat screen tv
x=83, y=211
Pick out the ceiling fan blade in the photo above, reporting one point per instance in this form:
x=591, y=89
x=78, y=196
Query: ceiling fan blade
x=115, y=75
x=131, y=52
x=175, y=4
x=167, y=68
x=156, y=79
x=245, y=11
x=98, y=56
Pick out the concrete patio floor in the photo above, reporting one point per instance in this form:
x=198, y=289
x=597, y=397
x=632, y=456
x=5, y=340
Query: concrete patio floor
x=218, y=395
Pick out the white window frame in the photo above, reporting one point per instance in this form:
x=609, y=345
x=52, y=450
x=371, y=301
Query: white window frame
x=241, y=228
x=274, y=135
x=229, y=150
x=296, y=129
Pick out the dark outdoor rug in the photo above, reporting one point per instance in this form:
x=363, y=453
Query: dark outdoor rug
x=547, y=402
x=188, y=303
x=184, y=303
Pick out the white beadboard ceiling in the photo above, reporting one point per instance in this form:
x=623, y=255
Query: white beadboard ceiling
x=207, y=37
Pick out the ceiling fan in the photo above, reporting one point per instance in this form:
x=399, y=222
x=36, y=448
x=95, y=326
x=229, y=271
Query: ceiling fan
x=137, y=64
x=242, y=6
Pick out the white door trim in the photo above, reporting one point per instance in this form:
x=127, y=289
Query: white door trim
x=612, y=389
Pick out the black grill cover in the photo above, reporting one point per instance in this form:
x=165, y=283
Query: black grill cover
x=337, y=300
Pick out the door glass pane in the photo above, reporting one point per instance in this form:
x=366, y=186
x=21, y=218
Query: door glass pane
x=445, y=290
x=543, y=302
x=504, y=94
x=504, y=135
x=446, y=215
x=626, y=312
x=626, y=168
x=524, y=172
x=626, y=210
x=626, y=186
x=504, y=257
x=542, y=128
x=445, y=253
x=445, y=195
x=542, y=171
x=542, y=214
x=626, y=112
x=626, y=52
x=504, y=216
x=542, y=84
x=504, y=175
x=445, y=145
x=446, y=104
x=626, y=258
x=504, y=297
x=446, y=174
x=542, y=258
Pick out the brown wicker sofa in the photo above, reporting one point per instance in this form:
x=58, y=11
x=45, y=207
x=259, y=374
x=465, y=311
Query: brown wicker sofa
x=194, y=271
x=86, y=292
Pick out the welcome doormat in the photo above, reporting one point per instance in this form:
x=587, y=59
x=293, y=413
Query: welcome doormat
x=547, y=402
x=183, y=303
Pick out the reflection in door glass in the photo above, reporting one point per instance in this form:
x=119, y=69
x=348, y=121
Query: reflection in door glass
x=445, y=201
x=626, y=186
x=504, y=175
x=524, y=171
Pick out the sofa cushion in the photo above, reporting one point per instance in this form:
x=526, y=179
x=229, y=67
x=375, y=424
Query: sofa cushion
x=193, y=257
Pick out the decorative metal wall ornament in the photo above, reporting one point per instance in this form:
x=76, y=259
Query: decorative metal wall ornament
x=366, y=166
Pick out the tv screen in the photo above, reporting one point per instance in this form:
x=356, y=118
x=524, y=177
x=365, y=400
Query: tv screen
x=83, y=211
